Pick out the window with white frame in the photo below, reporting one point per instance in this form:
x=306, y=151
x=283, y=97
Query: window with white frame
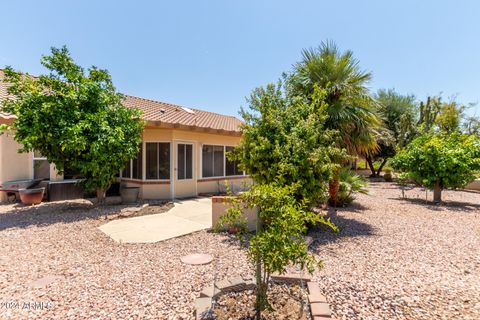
x=157, y=163
x=215, y=162
x=133, y=168
x=231, y=166
x=213, y=159
x=41, y=166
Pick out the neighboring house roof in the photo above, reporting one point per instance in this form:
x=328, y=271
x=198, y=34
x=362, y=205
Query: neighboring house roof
x=166, y=115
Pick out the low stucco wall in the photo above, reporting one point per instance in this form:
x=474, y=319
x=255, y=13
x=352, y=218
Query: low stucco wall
x=475, y=185
x=220, y=204
x=150, y=191
x=235, y=184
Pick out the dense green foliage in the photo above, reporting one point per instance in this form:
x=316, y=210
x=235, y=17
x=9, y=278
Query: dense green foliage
x=440, y=160
x=288, y=152
x=350, y=183
x=74, y=118
x=398, y=113
x=284, y=140
x=279, y=239
x=351, y=109
x=434, y=114
x=449, y=117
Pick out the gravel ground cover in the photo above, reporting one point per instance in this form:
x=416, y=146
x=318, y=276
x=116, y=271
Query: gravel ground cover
x=101, y=279
x=402, y=258
x=394, y=259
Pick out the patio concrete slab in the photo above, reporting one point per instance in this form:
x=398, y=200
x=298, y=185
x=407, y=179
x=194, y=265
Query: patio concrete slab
x=185, y=217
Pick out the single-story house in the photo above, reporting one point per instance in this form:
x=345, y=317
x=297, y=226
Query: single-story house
x=183, y=152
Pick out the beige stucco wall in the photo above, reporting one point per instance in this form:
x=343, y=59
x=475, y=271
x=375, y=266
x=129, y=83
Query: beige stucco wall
x=197, y=185
x=475, y=185
x=13, y=165
x=160, y=191
x=220, y=206
x=218, y=186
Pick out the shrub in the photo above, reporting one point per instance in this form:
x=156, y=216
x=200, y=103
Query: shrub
x=350, y=183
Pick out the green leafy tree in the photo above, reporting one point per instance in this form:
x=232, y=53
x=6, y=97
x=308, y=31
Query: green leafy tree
x=450, y=117
x=285, y=140
x=351, y=109
x=74, y=118
x=399, y=115
x=287, y=151
x=440, y=160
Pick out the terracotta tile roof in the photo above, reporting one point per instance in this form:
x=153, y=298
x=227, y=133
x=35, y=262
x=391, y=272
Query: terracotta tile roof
x=166, y=115
x=173, y=115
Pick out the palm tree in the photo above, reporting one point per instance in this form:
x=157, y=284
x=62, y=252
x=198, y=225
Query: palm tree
x=351, y=109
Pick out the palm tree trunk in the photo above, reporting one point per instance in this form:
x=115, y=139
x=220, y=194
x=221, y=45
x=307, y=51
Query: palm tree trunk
x=333, y=186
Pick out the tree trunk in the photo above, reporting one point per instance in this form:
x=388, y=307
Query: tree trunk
x=381, y=166
x=437, y=192
x=101, y=194
x=370, y=164
x=333, y=190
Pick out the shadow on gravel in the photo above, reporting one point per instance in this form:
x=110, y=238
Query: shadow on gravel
x=50, y=213
x=447, y=205
x=348, y=228
x=354, y=207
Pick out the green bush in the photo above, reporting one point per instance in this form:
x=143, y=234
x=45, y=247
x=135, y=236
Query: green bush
x=350, y=183
x=440, y=160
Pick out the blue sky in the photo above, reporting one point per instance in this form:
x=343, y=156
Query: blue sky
x=211, y=54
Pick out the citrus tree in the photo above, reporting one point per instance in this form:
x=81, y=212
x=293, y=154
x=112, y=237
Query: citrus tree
x=288, y=152
x=74, y=118
x=440, y=160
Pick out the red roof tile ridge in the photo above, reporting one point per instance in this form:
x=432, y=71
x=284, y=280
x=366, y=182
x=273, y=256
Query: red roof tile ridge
x=178, y=106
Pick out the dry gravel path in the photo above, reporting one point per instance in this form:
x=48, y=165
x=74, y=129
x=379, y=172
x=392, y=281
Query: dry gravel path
x=393, y=259
x=403, y=259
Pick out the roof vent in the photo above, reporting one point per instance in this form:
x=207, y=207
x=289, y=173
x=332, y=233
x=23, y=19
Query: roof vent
x=188, y=110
